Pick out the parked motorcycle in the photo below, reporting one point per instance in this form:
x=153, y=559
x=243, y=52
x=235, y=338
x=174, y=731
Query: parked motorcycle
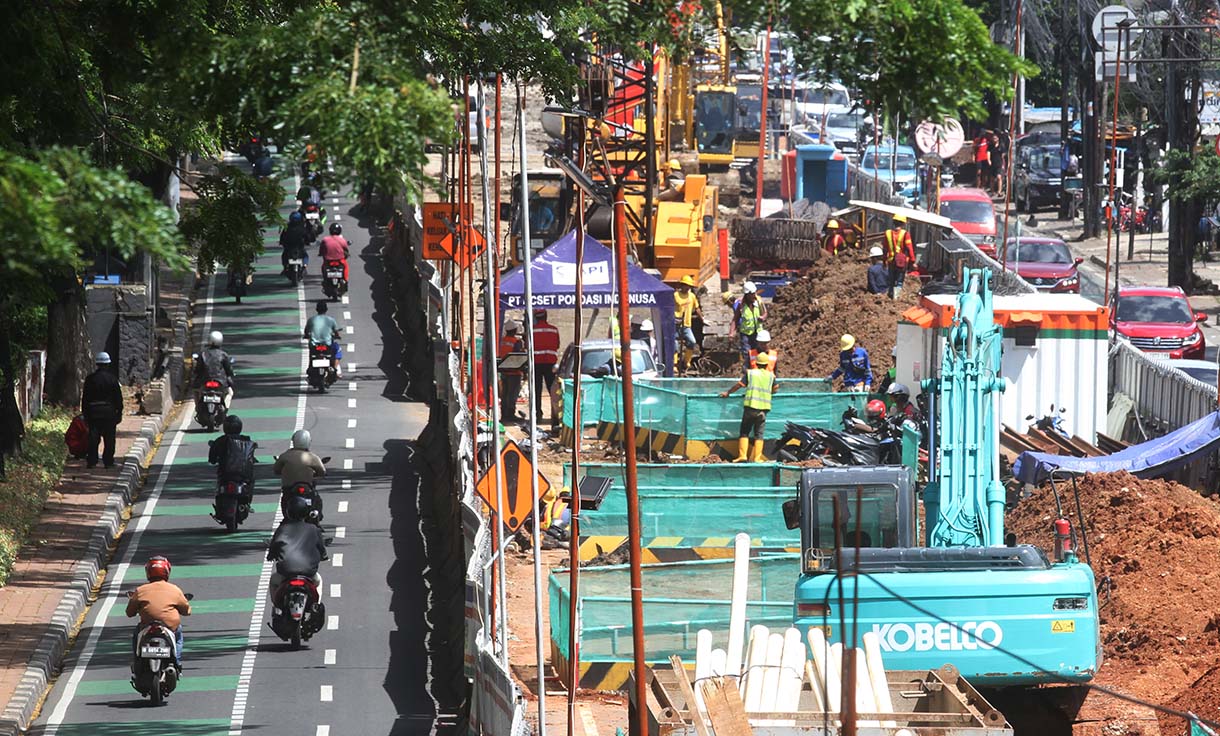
x=853, y=446
x=154, y=664
x=321, y=372
x=210, y=409
x=1052, y=422
x=334, y=284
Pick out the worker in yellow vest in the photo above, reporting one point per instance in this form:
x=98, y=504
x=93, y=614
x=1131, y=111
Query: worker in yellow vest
x=686, y=309
x=833, y=240
x=764, y=347
x=759, y=384
x=899, y=253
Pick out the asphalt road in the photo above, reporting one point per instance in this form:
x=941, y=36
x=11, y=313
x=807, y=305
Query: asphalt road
x=365, y=673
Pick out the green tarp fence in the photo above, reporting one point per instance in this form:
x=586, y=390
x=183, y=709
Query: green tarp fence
x=692, y=407
x=696, y=501
x=679, y=599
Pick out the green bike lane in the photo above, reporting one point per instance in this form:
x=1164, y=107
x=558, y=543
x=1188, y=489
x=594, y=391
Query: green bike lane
x=223, y=571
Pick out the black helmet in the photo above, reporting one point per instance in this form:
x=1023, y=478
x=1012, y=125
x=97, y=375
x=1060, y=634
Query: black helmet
x=297, y=507
x=232, y=424
x=336, y=229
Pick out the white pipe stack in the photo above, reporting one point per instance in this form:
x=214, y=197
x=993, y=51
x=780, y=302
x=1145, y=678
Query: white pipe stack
x=756, y=662
x=737, y=609
x=703, y=664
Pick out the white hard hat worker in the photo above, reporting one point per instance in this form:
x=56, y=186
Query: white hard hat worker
x=511, y=326
x=103, y=358
x=646, y=326
x=763, y=336
x=847, y=342
x=875, y=252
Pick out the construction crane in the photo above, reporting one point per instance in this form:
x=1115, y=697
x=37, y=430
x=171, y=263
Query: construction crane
x=1002, y=613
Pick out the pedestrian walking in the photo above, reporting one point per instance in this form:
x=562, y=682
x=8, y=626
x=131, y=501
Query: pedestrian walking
x=760, y=385
x=748, y=315
x=510, y=378
x=102, y=406
x=546, y=357
x=686, y=308
x=854, y=366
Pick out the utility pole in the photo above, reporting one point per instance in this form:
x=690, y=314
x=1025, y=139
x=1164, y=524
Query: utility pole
x=1065, y=125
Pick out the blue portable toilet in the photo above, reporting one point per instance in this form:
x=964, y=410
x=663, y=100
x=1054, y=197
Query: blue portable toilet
x=821, y=175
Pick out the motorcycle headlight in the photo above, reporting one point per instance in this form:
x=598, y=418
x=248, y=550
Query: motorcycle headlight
x=1192, y=339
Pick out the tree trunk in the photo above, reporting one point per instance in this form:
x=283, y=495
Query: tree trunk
x=12, y=428
x=68, y=358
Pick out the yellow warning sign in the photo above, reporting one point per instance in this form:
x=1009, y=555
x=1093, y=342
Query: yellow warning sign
x=1063, y=626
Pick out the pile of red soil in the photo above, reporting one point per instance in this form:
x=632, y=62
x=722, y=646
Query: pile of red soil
x=807, y=317
x=1155, y=551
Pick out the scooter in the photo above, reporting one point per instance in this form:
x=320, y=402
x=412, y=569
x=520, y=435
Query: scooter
x=315, y=219
x=154, y=664
x=1052, y=422
x=321, y=372
x=296, y=269
x=298, y=611
x=210, y=409
x=334, y=284
x=231, y=507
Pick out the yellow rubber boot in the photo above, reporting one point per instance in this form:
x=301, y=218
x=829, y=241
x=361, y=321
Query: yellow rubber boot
x=743, y=447
x=687, y=355
x=756, y=449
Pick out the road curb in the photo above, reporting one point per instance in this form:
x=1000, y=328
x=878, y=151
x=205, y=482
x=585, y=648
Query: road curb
x=52, y=646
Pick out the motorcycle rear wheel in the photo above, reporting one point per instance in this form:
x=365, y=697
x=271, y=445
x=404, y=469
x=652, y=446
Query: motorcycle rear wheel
x=231, y=523
x=296, y=636
x=155, y=695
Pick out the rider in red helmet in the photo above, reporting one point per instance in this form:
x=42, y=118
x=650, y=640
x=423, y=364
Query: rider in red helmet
x=159, y=600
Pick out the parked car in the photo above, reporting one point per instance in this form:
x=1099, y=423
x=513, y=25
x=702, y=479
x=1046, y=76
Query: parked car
x=897, y=166
x=843, y=129
x=972, y=214
x=1158, y=319
x=1200, y=370
x=1036, y=180
x=597, y=359
x=1046, y=263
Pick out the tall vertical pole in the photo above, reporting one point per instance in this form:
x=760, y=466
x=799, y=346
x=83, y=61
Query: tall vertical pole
x=527, y=253
x=1113, y=207
x=650, y=158
x=633, y=498
x=577, y=425
x=495, y=244
x=1017, y=82
x=762, y=126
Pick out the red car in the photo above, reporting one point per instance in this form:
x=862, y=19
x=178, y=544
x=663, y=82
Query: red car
x=1158, y=319
x=972, y=214
x=1045, y=263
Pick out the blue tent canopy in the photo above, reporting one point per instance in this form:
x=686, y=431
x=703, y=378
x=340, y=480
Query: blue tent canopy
x=1151, y=459
x=553, y=273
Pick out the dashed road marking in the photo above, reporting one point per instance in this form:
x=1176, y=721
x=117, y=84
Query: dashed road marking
x=338, y=216
x=351, y=347
x=329, y=657
x=322, y=731
x=340, y=532
x=351, y=368
x=327, y=693
x=337, y=559
x=336, y=590
x=349, y=443
x=351, y=403
x=342, y=508
x=351, y=423
x=332, y=623
x=351, y=385
x=348, y=464
x=346, y=300
x=347, y=315
x=349, y=329
x=346, y=484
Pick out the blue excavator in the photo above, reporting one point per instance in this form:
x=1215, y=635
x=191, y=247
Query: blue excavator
x=1002, y=613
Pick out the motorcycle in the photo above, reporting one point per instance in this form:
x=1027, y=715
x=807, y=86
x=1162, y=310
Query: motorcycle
x=1052, y=422
x=154, y=665
x=238, y=283
x=298, y=611
x=853, y=446
x=321, y=372
x=210, y=409
x=310, y=492
x=334, y=284
x=315, y=219
x=296, y=269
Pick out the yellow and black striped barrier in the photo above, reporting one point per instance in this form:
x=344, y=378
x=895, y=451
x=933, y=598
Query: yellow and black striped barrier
x=670, y=549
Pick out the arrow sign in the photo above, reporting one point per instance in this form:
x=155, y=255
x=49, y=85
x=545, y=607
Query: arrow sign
x=517, y=499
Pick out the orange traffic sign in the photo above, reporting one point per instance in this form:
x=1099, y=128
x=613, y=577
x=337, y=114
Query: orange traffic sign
x=517, y=497
x=438, y=222
x=471, y=249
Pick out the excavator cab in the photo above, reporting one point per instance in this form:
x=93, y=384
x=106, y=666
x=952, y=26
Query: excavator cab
x=550, y=210
x=715, y=125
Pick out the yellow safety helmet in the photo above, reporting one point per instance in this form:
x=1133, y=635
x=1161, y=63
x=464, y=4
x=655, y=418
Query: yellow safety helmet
x=687, y=281
x=900, y=218
x=674, y=165
x=847, y=342
x=832, y=225
x=762, y=359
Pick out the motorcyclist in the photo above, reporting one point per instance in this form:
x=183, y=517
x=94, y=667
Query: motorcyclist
x=900, y=402
x=297, y=548
x=215, y=365
x=334, y=247
x=321, y=329
x=298, y=466
x=294, y=240
x=233, y=455
x=874, y=415
x=159, y=600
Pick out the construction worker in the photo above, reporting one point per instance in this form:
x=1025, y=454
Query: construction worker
x=546, y=357
x=748, y=315
x=854, y=366
x=510, y=378
x=878, y=274
x=833, y=241
x=764, y=347
x=899, y=253
x=675, y=182
x=759, y=383
x=686, y=308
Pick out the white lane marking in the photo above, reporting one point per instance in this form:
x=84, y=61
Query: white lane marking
x=351, y=368
x=340, y=532
x=337, y=215
x=351, y=347
x=342, y=508
x=336, y=590
x=337, y=559
x=349, y=329
x=351, y=423
x=347, y=464
x=351, y=403
x=346, y=300
x=332, y=623
x=113, y=582
x=347, y=315
x=327, y=693
x=322, y=731
x=351, y=385
x=347, y=485
x=329, y=657
x=349, y=443
x=264, y=579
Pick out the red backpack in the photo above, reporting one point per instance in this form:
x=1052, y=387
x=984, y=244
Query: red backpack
x=77, y=437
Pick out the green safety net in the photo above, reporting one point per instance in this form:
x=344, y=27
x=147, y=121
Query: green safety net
x=697, y=501
x=679, y=599
x=692, y=407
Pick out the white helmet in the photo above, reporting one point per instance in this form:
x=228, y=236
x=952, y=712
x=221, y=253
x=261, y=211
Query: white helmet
x=646, y=326
x=300, y=439
x=512, y=325
x=103, y=358
x=763, y=336
x=749, y=287
x=875, y=252
x=216, y=339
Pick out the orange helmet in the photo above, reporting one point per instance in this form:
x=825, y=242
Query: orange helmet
x=875, y=409
x=157, y=568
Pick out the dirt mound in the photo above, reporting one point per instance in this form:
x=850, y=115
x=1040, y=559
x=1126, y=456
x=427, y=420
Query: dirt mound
x=1154, y=552
x=808, y=316
x=1202, y=698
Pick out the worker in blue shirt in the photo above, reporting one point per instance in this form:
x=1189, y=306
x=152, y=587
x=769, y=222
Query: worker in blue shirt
x=854, y=366
x=878, y=274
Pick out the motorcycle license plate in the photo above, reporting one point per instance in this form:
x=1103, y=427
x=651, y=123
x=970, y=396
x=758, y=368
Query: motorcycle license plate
x=211, y=399
x=311, y=215
x=320, y=363
x=335, y=274
x=295, y=262
x=154, y=652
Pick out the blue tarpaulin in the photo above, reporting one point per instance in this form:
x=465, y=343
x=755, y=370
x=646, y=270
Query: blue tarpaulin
x=1150, y=459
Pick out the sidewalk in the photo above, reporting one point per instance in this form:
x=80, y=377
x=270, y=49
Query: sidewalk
x=51, y=582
